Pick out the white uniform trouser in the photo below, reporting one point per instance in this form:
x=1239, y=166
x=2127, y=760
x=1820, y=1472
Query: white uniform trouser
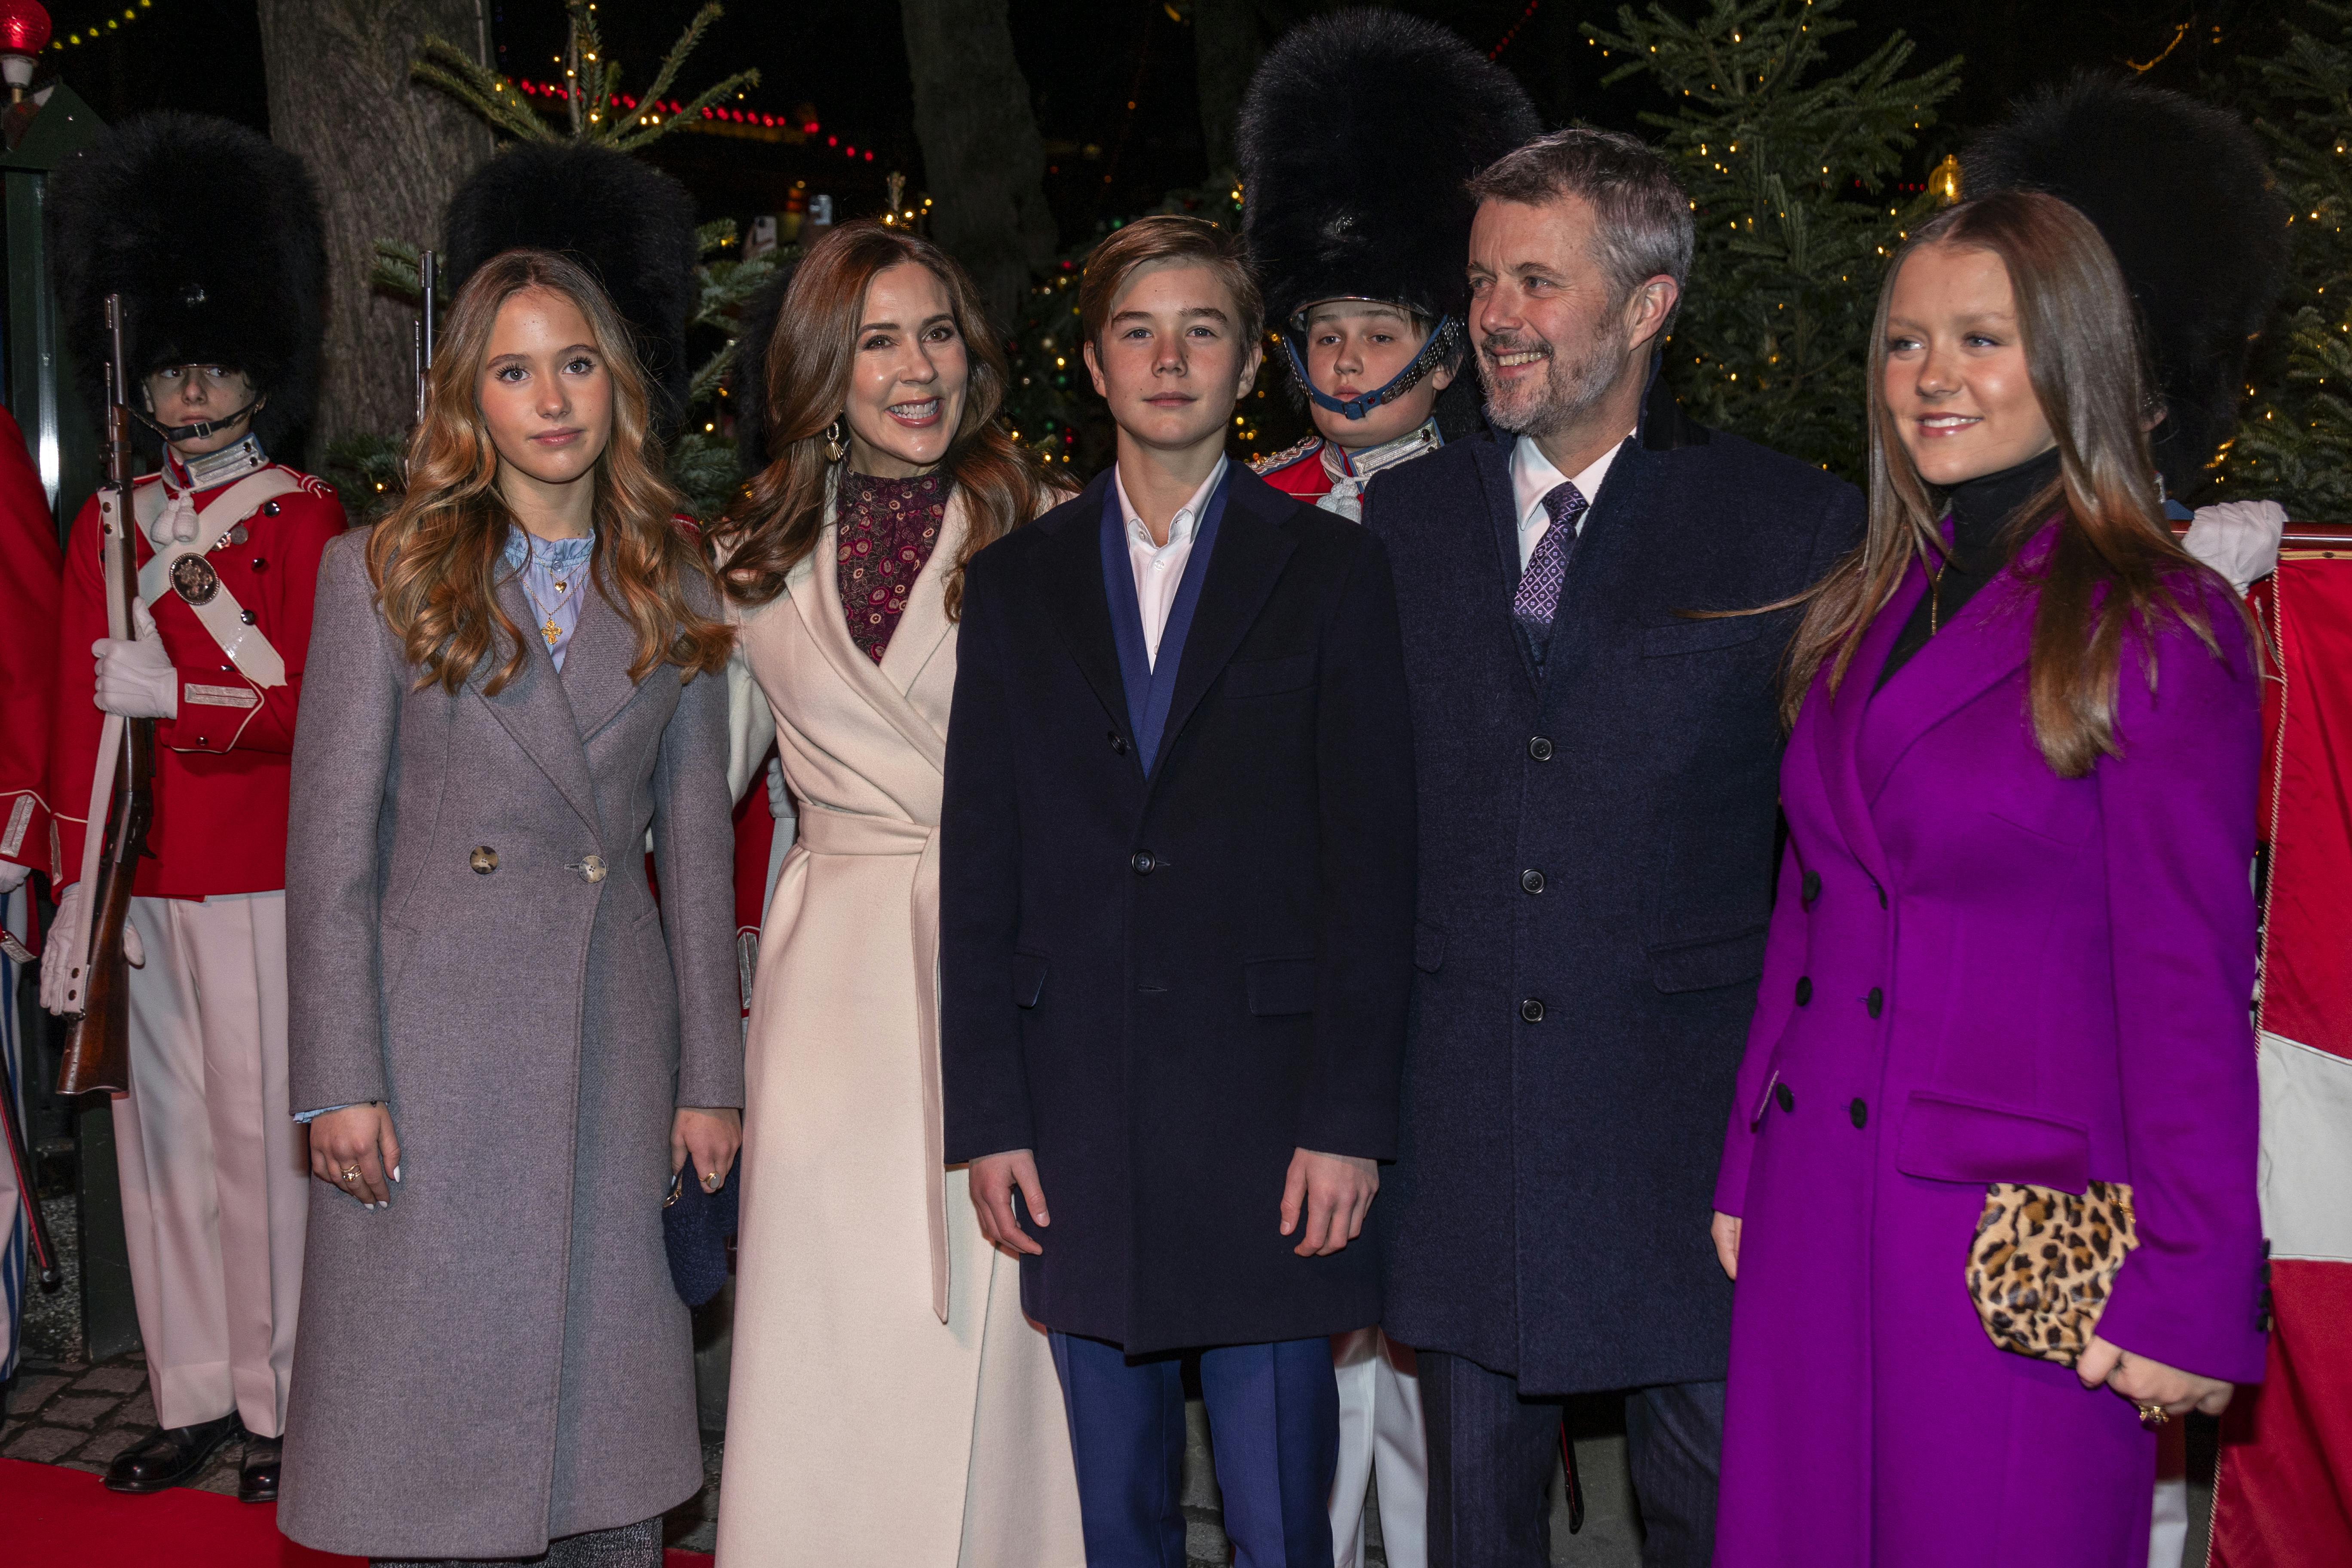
x=2167, y=1537
x=1380, y=1429
x=215, y=1178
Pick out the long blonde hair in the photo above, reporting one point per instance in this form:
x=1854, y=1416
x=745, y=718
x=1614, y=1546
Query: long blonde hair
x=809, y=360
x=435, y=561
x=2114, y=565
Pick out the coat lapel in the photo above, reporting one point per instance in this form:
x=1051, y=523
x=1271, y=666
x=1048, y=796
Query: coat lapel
x=1602, y=569
x=1077, y=601
x=1252, y=548
x=534, y=709
x=815, y=590
x=925, y=625
x=596, y=673
x=1494, y=467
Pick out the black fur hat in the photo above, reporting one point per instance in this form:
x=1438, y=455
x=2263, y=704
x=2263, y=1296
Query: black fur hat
x=211, y=234
x=1356, y=137
x=747, y=377
x=2187, y=203
x=630, y=223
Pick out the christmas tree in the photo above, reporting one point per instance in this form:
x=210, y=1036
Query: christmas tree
x=2294, y=445
x=1787, y=170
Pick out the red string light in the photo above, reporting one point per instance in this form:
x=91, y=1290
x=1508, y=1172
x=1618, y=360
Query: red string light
x=1496, y=52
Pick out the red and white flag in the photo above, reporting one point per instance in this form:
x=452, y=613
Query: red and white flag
x=2283, y=1496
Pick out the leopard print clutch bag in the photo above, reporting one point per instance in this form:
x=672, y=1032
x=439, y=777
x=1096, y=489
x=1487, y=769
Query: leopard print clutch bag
x=2042, y=1261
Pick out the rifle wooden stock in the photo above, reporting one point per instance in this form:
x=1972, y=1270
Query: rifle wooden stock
x=98, y=1043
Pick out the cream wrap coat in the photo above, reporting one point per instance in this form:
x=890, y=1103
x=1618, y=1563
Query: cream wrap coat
x=890, y=1406
x=499, y=1357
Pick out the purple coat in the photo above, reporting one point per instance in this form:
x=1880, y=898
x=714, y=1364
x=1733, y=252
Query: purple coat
x=1978, y=972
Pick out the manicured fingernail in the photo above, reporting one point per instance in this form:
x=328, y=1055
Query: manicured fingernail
x=396, y=1173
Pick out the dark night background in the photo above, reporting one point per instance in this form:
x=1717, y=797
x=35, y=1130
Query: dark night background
x=1087, y=59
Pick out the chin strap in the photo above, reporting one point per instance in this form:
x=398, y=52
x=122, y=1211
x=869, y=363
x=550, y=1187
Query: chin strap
x=1445, y=339
x=199, y=430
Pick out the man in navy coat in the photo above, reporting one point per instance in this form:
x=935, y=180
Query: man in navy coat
x=1176, y=916
x=1599, y=774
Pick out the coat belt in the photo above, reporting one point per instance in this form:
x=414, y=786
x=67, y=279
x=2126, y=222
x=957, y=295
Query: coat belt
x=826, y=832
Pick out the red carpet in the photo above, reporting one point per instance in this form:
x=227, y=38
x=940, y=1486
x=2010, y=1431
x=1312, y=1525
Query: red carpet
x=51, y=1516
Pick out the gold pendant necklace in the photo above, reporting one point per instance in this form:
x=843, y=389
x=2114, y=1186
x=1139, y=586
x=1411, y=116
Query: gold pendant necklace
x=1935, y=597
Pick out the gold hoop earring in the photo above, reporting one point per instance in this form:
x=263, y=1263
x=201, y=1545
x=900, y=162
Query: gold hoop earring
x=836, y=440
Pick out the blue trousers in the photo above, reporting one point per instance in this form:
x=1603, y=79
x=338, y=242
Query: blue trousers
x=1274, y=1421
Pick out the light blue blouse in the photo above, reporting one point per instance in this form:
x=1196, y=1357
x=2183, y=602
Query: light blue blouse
x=554, y=573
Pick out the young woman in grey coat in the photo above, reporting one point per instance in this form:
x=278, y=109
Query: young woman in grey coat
x=505, y=1048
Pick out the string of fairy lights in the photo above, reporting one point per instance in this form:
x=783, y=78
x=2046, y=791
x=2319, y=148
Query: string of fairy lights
x=97, y=28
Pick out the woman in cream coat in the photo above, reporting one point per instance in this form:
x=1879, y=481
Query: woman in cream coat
x=890, y=1404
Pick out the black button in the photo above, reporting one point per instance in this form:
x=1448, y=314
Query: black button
x=1859, y=1111
x=1531, y=1010
x=1118, y=742
x=260, y=564
x=1143, y=863
x=1804, y=989
x=1786, y=1102
x=246, y=615
x=1875, y=1001
x=1813, y=887
x=1531, y=881
x=1540, y=749
x=269, y=508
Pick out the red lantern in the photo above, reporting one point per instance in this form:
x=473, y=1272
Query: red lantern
x=24, y=27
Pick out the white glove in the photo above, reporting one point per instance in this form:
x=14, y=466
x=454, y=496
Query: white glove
x=12, y=876
x=66, y=946
x=2239, y=539
x=780, y=799
x=135, y=678
x=175, y=524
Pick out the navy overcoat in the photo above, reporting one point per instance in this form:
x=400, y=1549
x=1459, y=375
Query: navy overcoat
x=1166, y=985
x=1596, y=877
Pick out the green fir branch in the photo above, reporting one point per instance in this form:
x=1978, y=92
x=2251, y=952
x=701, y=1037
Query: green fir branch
x=442, y=64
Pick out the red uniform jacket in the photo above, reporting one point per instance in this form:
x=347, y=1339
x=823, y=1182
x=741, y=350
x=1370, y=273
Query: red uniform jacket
x=28, y=646
x=1297, y=471
x=221, y=767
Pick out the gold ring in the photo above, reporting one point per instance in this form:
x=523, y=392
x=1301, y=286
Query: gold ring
x=350, y=1172
x=2152, y=1415
x=712, y=1179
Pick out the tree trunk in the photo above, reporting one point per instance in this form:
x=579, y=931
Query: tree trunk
x=982, y=160
x=1226, y=45
x=388, y=154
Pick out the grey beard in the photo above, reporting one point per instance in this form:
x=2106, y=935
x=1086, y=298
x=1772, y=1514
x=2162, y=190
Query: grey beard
x=1569, y=388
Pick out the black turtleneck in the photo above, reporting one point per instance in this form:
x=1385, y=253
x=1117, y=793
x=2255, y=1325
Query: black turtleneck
x=1979, y=508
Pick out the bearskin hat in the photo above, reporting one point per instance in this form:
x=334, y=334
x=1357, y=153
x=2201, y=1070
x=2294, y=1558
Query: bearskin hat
x=2187, y=203
x=630, y=223
x=1357, y=135
x=747, y=377
x=211, y=234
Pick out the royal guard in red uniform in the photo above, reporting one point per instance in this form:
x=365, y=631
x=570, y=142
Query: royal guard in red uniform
x=29, y=619
x=212, y=236
x=1357, y=136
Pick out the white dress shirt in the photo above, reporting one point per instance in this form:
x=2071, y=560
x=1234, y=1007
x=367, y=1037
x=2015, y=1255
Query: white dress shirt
x=1534, y=478
x=1159, y=568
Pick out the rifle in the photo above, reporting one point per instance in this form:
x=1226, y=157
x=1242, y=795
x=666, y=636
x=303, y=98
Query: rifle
x=98, y=1043
x=36, y=1231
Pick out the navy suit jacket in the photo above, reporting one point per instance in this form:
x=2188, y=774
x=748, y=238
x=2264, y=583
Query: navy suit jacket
x=1596, y=876
x=1165, y=985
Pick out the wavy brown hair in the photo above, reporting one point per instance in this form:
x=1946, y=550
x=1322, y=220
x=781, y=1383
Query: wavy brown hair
x=774, y=526
x=438, y=559
x=2115, y=567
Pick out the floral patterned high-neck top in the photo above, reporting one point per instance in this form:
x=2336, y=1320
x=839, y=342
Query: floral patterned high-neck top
x=887, y=527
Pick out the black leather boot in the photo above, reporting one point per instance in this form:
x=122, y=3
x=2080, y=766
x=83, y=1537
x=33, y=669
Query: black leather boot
x=258, y=1480
x=174, y=1453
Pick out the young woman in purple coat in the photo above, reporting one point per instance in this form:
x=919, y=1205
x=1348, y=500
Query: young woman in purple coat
x=2013, y=943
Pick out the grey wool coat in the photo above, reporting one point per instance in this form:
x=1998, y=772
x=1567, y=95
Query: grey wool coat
x=500, y=1358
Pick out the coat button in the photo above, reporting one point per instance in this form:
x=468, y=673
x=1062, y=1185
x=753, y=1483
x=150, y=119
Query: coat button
x=1531, y=1010
x=1531, y=881
x=1144, y=863
x=269, y=508
x=1539, y=748
x=1118, y=742
x=1859, y=1111
x=246, y=615
x=260, y=564
x=484, y=859
x=590, y=868
x=1813, y=887
x=1875, y=1001
x=1781, y=1095
x=1804, y=989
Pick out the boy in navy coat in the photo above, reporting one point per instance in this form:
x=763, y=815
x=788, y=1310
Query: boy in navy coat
x=1177, y=879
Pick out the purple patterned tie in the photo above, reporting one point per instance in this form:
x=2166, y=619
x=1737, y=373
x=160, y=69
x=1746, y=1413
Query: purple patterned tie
x=1539, y=597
